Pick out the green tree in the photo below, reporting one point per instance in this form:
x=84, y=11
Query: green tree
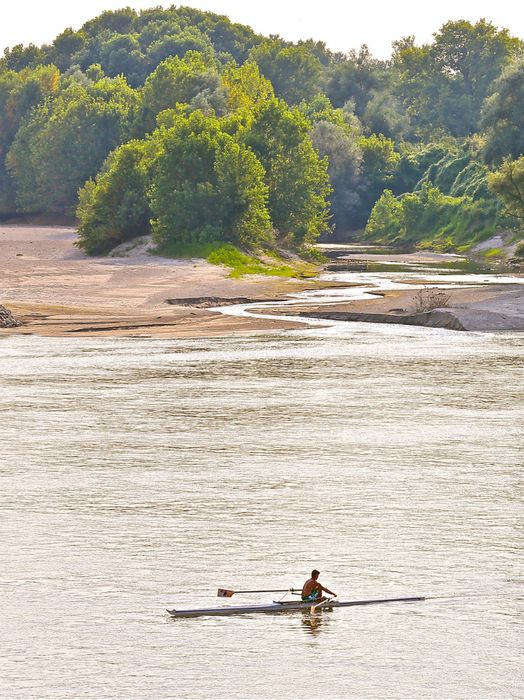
x=385, y=115
x=208, y=186
x=379, y=167
x=296, y=175
x=503, y=116
x=65, y=140
x=245, y=87
x=474, y=55
x=386, y=221
x=320, y=109
x=117, y=21
x=121, y=54
x=419, y=85
x=227, y=38
x=64, y=47
x=508, y=184
x=19, y=93
x=444, y=84
x=342, y=148
x=167, y=45
x=294, y=71
x=19, y=57
x=115, y=207
x=355, y=79
x=235, y=40
x=430, y=218
x=177, y=80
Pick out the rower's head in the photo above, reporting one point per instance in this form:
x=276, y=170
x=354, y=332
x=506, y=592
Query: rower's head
x=315, y=574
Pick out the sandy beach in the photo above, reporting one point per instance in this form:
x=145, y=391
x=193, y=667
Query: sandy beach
x=55, y=290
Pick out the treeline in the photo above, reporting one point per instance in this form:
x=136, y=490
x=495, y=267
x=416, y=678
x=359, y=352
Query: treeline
x=185, y=124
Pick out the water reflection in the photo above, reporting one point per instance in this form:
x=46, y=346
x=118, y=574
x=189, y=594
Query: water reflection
x=313, y=622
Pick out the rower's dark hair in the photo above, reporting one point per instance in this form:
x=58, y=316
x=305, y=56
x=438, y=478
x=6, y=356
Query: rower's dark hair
x=315, y=573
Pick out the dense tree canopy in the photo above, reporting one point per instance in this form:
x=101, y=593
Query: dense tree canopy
x=508, y=182
x=503, y=116
x=19, y=93
x=116, y=207
x=65, y=140
x=182, y=122
x=179, y=81
x=356, y=79
x=296, y=176
x=444, y=84
x=294, y=71
x=207, y=186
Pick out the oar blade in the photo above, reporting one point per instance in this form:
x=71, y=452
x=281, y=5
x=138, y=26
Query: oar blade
x=225, y=593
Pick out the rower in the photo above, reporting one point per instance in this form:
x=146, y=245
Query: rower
x=312, y=589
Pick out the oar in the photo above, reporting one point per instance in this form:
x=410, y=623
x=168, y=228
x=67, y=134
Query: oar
x=226, y=593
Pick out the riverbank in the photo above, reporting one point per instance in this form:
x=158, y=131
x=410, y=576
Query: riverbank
x=53, y=289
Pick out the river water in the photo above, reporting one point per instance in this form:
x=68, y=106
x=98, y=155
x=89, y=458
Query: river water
x=140, y=474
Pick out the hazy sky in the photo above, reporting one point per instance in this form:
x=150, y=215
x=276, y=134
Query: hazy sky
x=342, y=24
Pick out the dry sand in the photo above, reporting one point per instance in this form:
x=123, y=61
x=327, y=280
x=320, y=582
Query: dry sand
x=54, y=289
x=497, y=307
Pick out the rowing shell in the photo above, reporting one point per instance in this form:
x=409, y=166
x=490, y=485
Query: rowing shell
x=284, y=606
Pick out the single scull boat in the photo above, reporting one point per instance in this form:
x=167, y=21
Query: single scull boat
x=285, y=606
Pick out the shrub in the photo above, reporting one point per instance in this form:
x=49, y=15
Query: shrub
x=206, y=186
x=115, y=208
x=429, y=299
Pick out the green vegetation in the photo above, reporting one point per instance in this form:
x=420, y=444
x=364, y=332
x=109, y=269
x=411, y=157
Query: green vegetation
x=242, y=264
x=508, y=184
x=262, y=262
x=451, y=207
x=180, y=123
x=493, y=253
x=430, y=219
x=65, y=140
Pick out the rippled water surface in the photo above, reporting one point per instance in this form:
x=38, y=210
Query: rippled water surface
x=138, y=475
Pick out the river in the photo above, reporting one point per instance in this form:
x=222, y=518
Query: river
x=140, y=474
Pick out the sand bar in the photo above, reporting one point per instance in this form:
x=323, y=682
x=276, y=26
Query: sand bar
x=56, y=290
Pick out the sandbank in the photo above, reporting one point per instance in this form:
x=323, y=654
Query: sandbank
x=54, y=289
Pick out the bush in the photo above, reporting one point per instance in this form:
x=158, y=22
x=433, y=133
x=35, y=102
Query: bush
x=207, y=186
x=115, y=207
x=430, y=219
x=429, y=299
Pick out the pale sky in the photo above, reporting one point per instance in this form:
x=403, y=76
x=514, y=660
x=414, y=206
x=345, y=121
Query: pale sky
x=343, y=25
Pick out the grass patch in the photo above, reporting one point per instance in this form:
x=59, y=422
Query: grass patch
x=494, y=253
x=180, y=249
x=242, y=264
x=239, y=263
